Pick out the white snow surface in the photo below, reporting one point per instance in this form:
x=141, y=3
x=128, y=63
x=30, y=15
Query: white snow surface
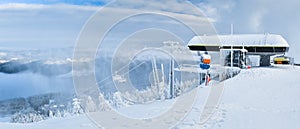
x=71, y=122
x=261, y=98
x=257, y=98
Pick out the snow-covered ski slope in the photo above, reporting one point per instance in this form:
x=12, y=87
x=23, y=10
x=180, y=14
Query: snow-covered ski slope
x=257, y=98
x=260, y=98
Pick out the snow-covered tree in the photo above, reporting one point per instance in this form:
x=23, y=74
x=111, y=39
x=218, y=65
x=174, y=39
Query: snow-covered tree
x=51, y=115
x=65, y=113
x=26, y=118
x=76, y=106
x=161, y=93
x=57, y=113
x=103, y=106
x=117, y=101
x=90, y=106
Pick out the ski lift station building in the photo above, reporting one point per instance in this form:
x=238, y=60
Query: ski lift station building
x=259, y=45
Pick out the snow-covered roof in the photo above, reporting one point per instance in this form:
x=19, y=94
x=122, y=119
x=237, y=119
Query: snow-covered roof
x=271, y=40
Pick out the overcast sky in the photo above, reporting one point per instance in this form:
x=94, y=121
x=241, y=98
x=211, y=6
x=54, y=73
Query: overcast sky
x=257, y=16
x=50, y=23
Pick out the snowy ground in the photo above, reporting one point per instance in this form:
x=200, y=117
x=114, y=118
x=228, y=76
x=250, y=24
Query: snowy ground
x=72, y=122
x=259, y=98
